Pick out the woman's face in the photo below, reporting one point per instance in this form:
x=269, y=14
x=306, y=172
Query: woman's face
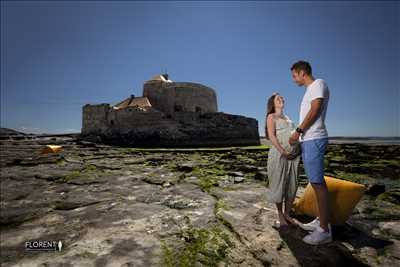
x=279, y=102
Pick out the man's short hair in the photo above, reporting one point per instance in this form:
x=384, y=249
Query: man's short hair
x=302, y=65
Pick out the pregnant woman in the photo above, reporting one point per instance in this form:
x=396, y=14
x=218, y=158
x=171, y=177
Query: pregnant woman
x=283, y=159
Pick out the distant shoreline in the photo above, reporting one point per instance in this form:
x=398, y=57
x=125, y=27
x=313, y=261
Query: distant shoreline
x=370, y=140
x=365, y=140
x=338, y=140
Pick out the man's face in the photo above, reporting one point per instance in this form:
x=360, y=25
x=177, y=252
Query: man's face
x=298, y=77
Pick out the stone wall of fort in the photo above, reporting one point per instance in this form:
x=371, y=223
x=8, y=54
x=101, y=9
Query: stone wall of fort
x=180, y=97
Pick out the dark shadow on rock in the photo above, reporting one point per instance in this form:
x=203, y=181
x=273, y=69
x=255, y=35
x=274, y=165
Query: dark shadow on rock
x=375, y=189
x=357, y=238
x=352, y=235
x=333, y=254
x=12, y=217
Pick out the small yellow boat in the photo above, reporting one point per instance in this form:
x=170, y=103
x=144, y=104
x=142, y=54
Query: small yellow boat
x=51, y=149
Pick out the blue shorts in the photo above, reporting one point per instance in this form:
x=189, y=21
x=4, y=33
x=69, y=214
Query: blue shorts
x=313, y=159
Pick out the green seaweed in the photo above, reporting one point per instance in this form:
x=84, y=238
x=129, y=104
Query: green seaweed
x=90, y=172
x=353, y=177
x=390, y=196
x=209, y=246
x=221, y=204
x=209, y=177
x=207, y=182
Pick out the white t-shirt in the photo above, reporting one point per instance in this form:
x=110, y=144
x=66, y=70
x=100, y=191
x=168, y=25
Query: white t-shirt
x=317, y=89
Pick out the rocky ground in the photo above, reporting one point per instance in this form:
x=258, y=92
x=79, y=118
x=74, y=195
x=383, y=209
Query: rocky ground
x=115, y=206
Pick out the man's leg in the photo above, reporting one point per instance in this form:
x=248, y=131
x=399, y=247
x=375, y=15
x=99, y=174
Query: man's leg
x=314, y=167
x=321, y=192
x=313, y=159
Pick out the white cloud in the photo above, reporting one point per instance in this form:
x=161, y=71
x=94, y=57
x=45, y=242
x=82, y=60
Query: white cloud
x=70, y=131
x=33, y=130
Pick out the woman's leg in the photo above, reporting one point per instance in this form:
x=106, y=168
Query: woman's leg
x=288, y=208
x=291, y=189
x=281, y=216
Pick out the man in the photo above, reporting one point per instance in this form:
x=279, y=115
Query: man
x=313, y=136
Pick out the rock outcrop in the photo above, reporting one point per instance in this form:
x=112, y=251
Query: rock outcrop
x=113, y=206
x=185, y=129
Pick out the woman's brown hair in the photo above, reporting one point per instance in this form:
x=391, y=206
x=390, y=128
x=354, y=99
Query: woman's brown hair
x=270, y=109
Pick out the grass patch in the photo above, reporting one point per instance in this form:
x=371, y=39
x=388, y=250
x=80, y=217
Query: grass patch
x=231, y=188
x=193, y=149
x=90, y=172
x=209, y=177
x=207, y=246
x=335, y=157
x=380, y=163
x=207, y=182
x=246, y=160
x=61, y=161
x=70, y=176
x=221, y=204
x=250, y=176
x=352, y=177
x=214, y=169
x=382, y=210
x=391, y=196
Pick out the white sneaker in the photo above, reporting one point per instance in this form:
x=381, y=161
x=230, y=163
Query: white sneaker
x=310, y=226
x=318, y=237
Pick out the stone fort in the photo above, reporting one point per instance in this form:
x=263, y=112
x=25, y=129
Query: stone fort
x=172, y=114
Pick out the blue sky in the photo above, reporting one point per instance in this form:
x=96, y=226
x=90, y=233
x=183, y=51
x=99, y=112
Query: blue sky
x=55, y=57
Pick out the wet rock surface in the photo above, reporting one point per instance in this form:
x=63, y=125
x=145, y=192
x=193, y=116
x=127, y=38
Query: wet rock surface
x=114, y=206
